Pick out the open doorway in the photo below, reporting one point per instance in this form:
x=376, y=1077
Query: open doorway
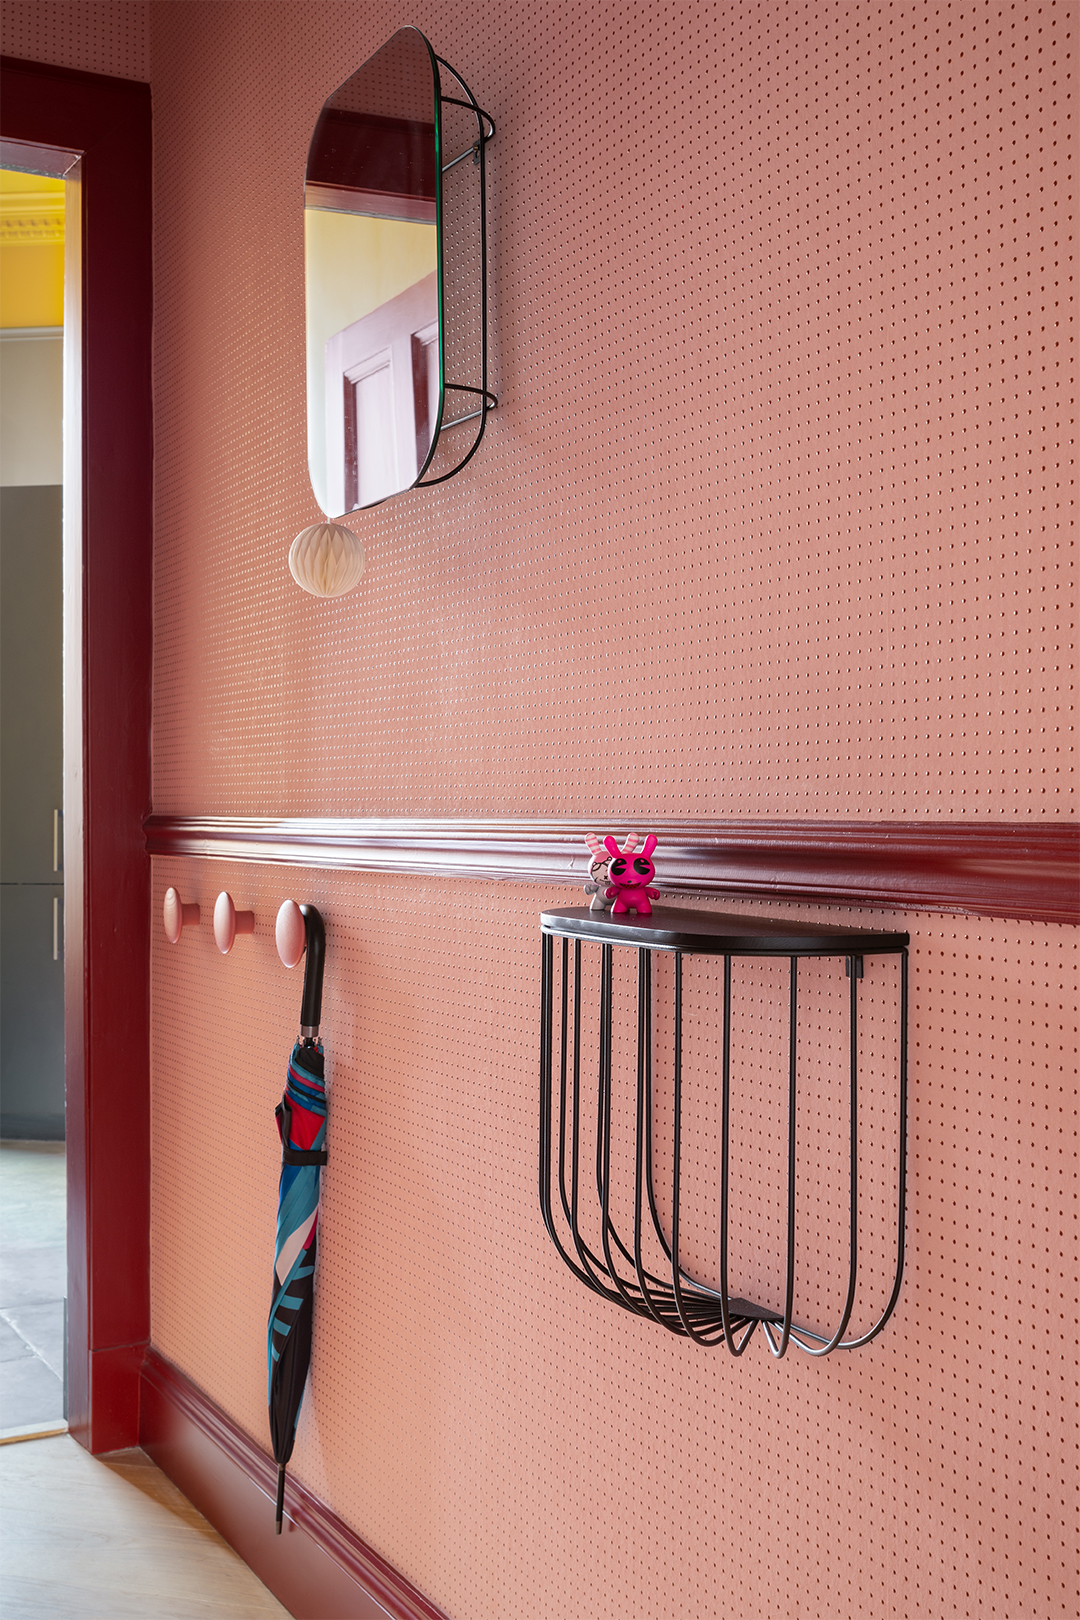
x=47, y=114
x=33, y=1273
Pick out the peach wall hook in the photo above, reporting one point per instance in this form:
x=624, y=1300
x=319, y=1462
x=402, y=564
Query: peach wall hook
x=228, y=922
x=299, y=929
x=290, y=932
x=177, y=916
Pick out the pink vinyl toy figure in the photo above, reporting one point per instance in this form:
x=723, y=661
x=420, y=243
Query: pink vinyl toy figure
x=597, y=885
x=629, y=878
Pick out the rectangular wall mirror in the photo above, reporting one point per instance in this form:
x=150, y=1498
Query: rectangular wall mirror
x=376, y=339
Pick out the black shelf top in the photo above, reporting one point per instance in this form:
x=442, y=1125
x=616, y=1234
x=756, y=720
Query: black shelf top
x=715, y=934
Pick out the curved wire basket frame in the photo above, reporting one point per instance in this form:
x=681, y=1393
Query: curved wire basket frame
x=618, y=1272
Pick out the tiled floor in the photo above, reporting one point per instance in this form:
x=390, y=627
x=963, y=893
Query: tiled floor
x=33, y=1282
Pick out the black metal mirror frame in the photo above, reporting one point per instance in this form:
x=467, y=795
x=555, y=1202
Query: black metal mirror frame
x=487, y=400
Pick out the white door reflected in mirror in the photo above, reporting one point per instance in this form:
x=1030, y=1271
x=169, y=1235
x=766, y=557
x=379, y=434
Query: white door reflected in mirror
x=382, y=398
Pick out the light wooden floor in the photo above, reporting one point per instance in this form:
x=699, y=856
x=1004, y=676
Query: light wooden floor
x=84, y=1537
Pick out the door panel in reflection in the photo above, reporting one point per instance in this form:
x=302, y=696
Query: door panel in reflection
x=382, y=399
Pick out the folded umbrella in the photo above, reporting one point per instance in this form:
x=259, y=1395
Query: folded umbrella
x=301, y=1121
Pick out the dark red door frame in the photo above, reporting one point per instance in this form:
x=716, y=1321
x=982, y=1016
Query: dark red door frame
x=107, y=741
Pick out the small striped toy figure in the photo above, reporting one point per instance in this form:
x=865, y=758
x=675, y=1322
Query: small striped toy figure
x=630, y=878
x=597, y=885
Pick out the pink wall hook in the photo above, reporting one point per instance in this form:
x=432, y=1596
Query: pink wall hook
x=228, y=922
x=177, y=916
x=290, y=932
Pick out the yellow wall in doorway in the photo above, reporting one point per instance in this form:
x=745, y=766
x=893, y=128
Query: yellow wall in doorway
x=31, y=250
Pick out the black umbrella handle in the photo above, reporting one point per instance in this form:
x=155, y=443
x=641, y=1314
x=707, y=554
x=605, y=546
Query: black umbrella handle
x=315, y=950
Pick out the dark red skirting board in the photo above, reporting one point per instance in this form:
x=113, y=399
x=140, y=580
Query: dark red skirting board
x=318, y=1568
x=1025, y=869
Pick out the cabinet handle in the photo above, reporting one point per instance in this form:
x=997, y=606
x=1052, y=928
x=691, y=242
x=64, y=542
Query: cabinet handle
x=56, y=928
x=56, y=840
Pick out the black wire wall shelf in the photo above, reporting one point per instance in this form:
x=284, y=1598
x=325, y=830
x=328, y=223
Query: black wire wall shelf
x=615, y=1266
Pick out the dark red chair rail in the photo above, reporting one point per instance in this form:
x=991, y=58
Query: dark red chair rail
x=1026, y=869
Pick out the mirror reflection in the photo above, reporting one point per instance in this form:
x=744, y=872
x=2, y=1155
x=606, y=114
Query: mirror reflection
x=374, y=345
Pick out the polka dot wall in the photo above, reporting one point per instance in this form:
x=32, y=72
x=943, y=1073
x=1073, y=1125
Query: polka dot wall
x=775, y=512
x=515, y=1445
x=774, y=519
x=96, y=36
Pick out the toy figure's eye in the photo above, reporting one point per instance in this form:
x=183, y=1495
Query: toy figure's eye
x=643, y=866
x=617, y=868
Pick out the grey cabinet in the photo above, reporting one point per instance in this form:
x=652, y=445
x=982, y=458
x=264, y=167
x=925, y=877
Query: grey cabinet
x=31, y=788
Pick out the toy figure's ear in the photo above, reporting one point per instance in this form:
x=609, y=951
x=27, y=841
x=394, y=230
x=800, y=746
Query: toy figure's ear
x=611, y=846
x=631, y=844
x=650, y=845
x=594, y=844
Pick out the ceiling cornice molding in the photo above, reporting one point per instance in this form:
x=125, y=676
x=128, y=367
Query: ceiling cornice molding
x=30, y=218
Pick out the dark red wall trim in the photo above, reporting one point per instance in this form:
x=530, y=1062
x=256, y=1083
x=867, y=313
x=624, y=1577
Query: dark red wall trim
x=317, y=1567
x=1028, y=869
x=107, y=740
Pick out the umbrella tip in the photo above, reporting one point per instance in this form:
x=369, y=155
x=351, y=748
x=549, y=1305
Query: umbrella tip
x=280, y=1504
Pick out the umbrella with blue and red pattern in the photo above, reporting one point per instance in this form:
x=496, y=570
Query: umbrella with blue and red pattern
x=301, y=1121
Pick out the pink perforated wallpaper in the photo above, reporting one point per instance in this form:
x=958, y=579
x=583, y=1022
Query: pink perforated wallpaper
x=518, y=1447
x=96, y=36
x=774, y=515
x=774, y=518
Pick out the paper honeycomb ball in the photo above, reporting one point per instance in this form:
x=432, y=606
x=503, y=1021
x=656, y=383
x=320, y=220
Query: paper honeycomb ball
x=326, y=559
